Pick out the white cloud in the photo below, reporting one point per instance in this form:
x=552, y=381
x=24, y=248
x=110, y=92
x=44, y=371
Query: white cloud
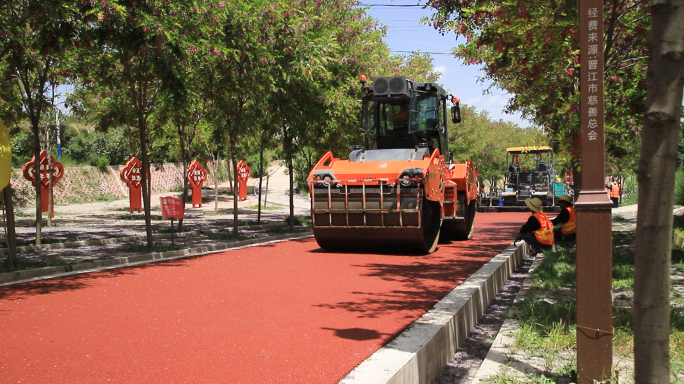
x=473, y=102
x=441, y=69
x=496, y=101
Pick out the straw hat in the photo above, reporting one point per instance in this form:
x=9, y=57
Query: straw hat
x=565, y=198
x=534, y=204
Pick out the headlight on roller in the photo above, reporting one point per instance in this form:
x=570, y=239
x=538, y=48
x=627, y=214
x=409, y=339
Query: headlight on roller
x=411, y=177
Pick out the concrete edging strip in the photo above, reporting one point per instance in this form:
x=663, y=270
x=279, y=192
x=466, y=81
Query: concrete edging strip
x=498, y=354
x=420, y=353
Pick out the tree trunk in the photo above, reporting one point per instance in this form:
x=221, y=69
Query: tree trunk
x=145, y=182
x=186, y=185
x=268, y=177
x=36, y=153
x=290, y=170
x=216, y=187
x=185, y=158
x=12, y=260
x=261, y=179
x=656, y=193
x=51, y=195
x=231, y=168
x=236, y=193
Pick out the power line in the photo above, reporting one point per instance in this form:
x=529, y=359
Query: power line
x=429, y=53
x=401, y=21
x=390, y=5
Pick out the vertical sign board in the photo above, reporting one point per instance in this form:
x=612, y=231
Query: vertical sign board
x=244, y=171
x=197, y=175
x=594, y=237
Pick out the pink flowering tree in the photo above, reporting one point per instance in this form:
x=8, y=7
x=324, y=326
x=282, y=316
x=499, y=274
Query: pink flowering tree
x=532, y=52
x=35, y=39
x=122, y=63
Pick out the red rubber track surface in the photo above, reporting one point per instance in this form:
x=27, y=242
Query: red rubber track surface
x=277, y=313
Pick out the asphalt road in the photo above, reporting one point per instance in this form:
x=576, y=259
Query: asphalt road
x=278, y=313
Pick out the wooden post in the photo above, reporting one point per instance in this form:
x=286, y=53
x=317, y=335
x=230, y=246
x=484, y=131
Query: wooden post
x=594, y=236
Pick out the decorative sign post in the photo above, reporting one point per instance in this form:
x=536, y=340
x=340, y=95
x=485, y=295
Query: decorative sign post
x=130, y=175
x=197, y=175
x=48, y=166
x=594, y=237
x=244, y=172
x=172, y=208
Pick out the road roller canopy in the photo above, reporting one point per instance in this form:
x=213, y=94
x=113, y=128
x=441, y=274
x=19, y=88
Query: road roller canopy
x=399, y=113
x=529, y=150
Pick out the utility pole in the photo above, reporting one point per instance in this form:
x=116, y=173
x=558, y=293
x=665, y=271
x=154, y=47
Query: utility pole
x=594, y=221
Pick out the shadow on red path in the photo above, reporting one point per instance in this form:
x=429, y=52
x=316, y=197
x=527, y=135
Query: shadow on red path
x=276, y=313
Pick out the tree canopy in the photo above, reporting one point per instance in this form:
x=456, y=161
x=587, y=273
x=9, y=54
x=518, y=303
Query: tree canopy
x=532, y=52
x=198, y=80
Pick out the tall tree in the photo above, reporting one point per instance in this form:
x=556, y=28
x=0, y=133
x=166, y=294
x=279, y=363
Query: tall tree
x=656, y=193
x=328, y=90
x=35, y=35
x=319, y=51
x=235, y=78
x=124, y=44
x=182, y=106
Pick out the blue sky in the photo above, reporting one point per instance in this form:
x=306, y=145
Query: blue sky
x=406, y=34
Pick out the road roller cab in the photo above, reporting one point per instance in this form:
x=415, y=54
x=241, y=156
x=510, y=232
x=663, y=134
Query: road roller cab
x=399, y=192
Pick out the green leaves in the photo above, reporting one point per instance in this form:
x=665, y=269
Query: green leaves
x=485, y=141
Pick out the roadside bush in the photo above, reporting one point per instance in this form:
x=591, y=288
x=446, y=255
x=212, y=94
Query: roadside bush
x=630, y=191
x=99, y=162
x=303, y=162
x=92, y=147
x=22, y=144
x=679, y=186
x=253, y=162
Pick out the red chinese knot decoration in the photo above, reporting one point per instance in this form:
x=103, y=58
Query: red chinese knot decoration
x=243, y=173
x=197, y=175
x=131, y=176
x=48, y=166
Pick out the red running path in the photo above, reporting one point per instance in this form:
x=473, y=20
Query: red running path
x=276, y=313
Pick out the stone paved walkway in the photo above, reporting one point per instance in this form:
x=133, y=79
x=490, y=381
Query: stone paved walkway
x=102, y=230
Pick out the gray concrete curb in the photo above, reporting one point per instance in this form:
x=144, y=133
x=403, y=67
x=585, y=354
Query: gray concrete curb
x=118, y=262
x=420, y=353
x=499, y=354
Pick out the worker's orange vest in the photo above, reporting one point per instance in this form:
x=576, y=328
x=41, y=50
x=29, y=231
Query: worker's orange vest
x=544, y=234
x=570, y=226
x=615, y=191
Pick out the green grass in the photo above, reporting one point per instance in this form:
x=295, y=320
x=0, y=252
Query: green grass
x=219, y=213
x=298, y=220
x=160, y=247
x=23, y=264
x=679, y=265
x=228, y=236
x=265, y=208
x=547, y=314
x=43, y=241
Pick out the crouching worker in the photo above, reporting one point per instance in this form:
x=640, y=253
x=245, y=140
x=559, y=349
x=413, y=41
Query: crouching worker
x=566, y=220
x=537, y=232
